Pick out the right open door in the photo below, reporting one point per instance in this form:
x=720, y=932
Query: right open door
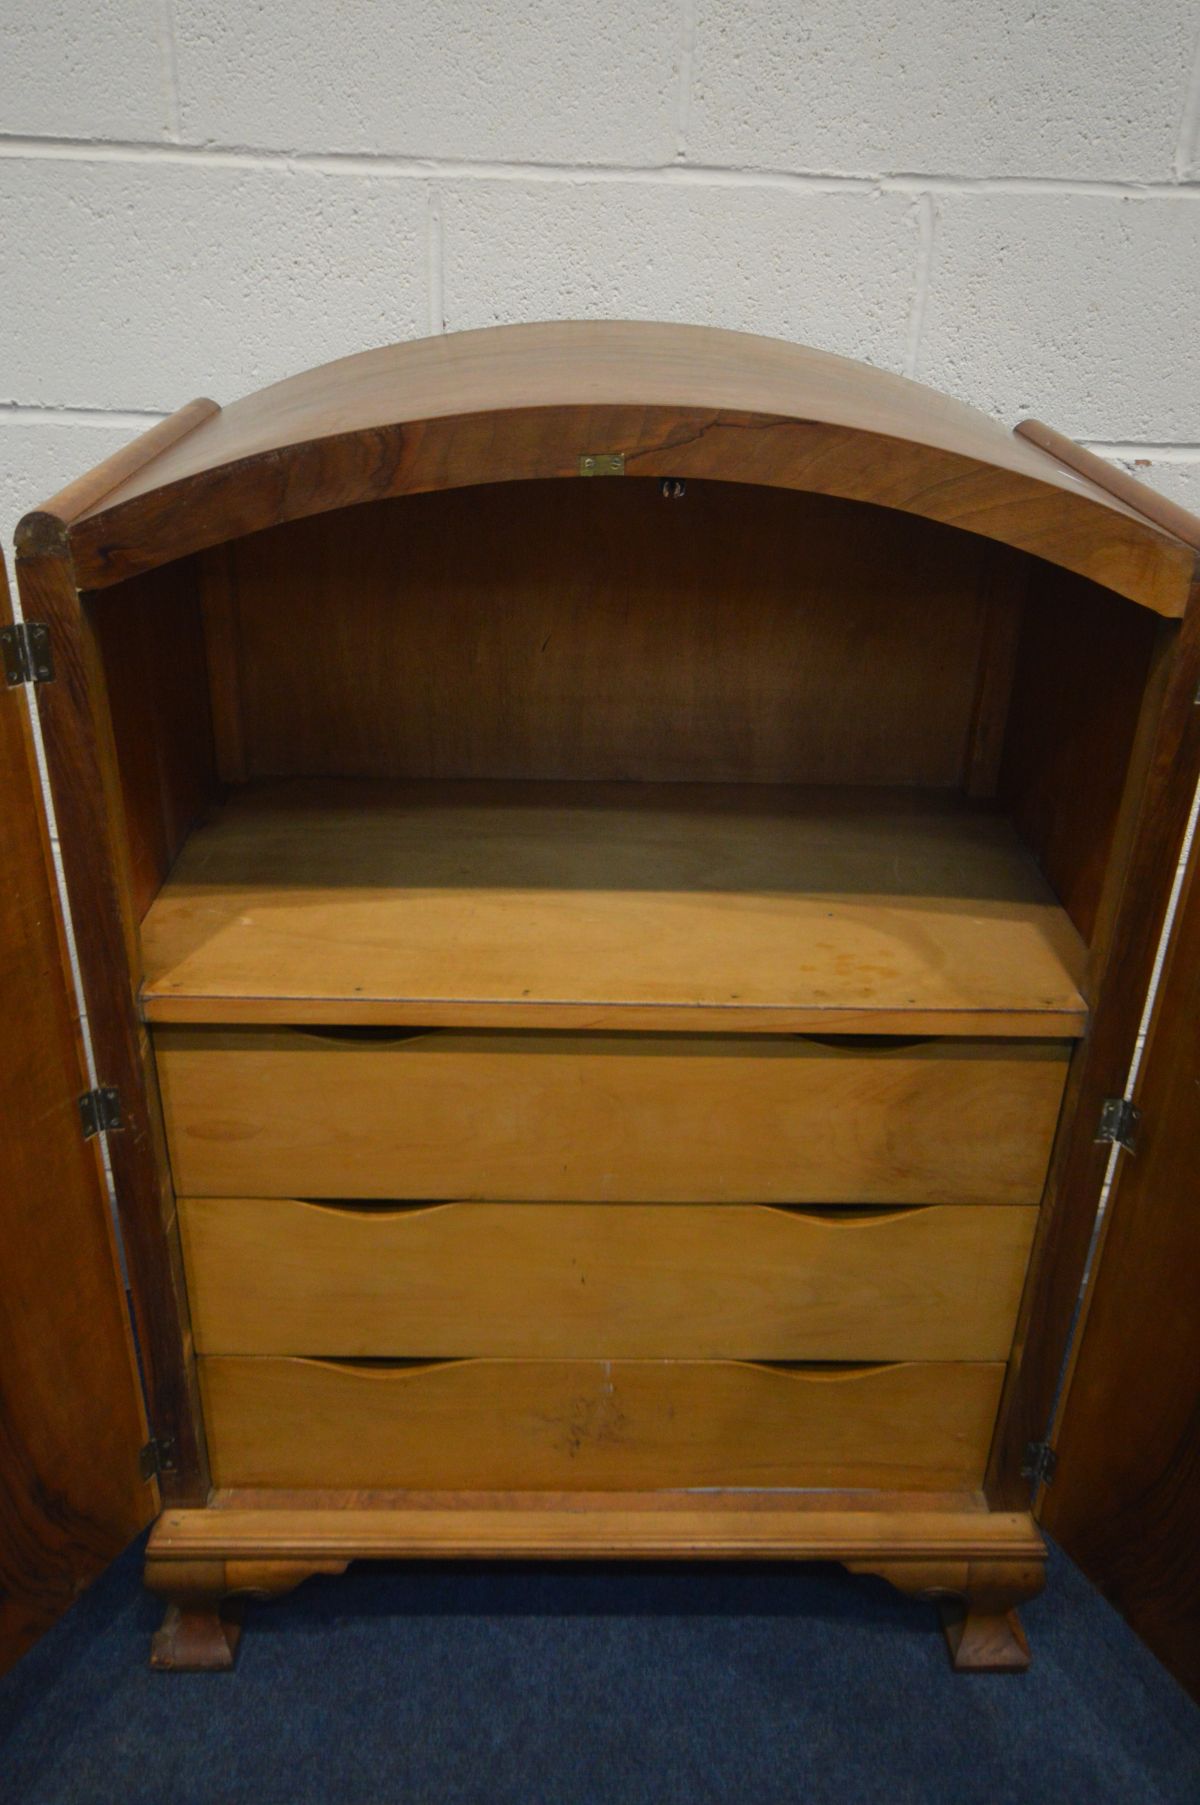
x=1125, y=1501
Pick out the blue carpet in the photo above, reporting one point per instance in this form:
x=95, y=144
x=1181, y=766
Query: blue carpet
x=594, y=1686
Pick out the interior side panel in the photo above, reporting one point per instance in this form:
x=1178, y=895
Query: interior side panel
x=1082, y=664
x=151, y=641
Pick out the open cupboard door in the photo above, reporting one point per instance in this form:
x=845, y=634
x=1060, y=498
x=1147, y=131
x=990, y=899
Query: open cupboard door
x=72, y=1422
x=1125, y=1502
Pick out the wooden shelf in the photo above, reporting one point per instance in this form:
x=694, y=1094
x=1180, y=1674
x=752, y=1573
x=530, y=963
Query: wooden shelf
x=611, y=905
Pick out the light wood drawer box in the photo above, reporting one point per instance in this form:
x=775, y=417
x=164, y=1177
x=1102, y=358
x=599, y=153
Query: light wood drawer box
x=638, y=1118
x=578, y=1424
x=620, y=1281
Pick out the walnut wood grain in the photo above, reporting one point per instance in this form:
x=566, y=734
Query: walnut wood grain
x=150, y=641
x=1161, y=778
x=1083, y=662
x=223, y=650
x=528, y=401
x=1005, y=587
x=89, y=810
x=71, y=1417
x=592, y=630
x=1106, y=475
x=1126, y=1498
x=42, y=531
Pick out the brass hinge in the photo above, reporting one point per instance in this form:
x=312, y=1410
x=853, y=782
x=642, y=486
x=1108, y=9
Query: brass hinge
x=602, y=463
x=1119, y=1123
x=1040, y=1463
x=100, y=1110
x=26, y=651
x=158, y=1456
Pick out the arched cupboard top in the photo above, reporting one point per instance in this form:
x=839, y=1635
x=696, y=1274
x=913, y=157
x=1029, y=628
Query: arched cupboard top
x=533, y=401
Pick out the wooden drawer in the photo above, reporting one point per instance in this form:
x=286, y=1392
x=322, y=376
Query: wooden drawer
x=620, y=1281
x=622, y=1117
x=579, y=1424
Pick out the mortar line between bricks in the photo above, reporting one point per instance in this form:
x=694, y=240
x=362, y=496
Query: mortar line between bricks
x=436, y=260
x=926, y=217
x=18, y=147
x=1178, y=451
x=170, y=67
x=1187, y=149
x=38, y=414
x=687, y=53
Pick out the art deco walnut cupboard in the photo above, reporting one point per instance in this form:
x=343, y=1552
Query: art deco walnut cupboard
x=615, y=870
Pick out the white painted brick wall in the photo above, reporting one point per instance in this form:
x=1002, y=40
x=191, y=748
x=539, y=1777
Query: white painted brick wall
x=136, y=284
x=1082, y=308
x=543, y=81
x=84, y=73
x=832, y=269
x=203, y=195
x=1084, y=89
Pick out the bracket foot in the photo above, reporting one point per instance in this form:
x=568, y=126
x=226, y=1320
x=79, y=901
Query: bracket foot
x=984, y=1641
x=195, y=1638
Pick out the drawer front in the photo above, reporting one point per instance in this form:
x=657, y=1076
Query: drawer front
x=619, y=1281
x=627, y=1118
x=592, y=1424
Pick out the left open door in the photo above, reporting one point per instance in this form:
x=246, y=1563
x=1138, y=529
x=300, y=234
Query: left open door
x=72, y=1420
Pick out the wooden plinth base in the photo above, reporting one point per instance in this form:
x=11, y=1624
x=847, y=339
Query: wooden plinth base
x=948, y=1547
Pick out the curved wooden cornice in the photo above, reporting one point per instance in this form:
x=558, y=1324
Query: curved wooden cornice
x=519, y=402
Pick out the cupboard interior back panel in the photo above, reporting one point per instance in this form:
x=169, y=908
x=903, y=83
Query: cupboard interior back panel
x=598, y=630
